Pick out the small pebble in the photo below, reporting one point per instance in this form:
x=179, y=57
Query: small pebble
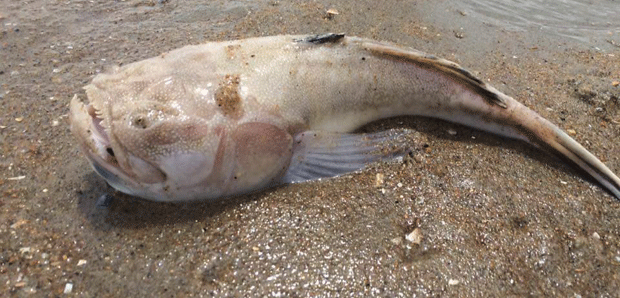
x=452, y=132
x=615, y=83
x=19, y=119
x=595, y=235
x=415, y=237
x=104, y=201
x=82, y=262
x=571, y=132
x=68, y=288
x=453, y=282
x=379, y=179
x=333, y=11
x=19, y=223
x=330, y=13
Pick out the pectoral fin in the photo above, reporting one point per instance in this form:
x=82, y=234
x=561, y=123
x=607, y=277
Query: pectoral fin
x=319, y=154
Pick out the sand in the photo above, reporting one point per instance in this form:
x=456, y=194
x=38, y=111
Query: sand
x=469, y=214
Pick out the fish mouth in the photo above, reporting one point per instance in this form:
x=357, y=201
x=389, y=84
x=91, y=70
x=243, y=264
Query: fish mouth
x=106, y=156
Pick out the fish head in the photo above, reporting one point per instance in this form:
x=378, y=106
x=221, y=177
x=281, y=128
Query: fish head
x=163, y=140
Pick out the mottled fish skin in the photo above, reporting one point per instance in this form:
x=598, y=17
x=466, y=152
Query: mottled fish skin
x=226, y=118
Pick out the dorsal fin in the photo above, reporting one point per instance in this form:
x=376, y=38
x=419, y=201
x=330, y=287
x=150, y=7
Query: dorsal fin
x=444, y=66
x=321, y=38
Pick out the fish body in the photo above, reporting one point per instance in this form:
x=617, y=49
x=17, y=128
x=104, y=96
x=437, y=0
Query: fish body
x=227, y=118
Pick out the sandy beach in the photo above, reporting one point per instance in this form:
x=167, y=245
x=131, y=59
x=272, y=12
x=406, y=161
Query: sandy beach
x=469, y=214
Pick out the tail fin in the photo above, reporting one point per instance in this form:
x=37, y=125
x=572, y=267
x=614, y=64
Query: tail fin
x=542, y=132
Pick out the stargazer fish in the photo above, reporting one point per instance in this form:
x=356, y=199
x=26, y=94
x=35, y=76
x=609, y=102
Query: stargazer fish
x=227, y=118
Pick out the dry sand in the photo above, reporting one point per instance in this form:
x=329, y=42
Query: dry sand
x=496, y=217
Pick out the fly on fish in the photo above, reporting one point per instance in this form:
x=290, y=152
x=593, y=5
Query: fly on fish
x=227, y=118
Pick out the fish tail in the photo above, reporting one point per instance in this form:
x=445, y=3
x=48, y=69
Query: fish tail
x=542, y=132
x=500, y=113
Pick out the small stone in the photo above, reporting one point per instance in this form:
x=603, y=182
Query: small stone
x=333, y=11
x=379, y=179
x=397, y=240
x=415, y=237
x=68, y=288
x=19, y=119
x=453, y=282
x=104, y=201
x=82, y=262
x=595, y=235
x=330, y=13
x=615, y=83
x=571, y=132
x=19, y=223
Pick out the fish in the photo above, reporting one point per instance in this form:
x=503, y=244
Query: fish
x=223, y=119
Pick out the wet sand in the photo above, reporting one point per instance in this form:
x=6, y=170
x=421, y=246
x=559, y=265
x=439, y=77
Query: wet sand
x=495, y=216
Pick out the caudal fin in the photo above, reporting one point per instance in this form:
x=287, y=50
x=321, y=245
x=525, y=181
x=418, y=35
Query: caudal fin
x=543, y=132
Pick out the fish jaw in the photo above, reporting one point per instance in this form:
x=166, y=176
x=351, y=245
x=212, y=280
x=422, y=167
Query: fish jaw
x=98, y=147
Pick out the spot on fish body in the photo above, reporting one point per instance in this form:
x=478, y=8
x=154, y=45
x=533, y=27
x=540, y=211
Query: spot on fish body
x=227, y=97
x=231, y=50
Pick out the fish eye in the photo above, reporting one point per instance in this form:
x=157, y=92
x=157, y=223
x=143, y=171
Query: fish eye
x=140, y=122
x=110, y=151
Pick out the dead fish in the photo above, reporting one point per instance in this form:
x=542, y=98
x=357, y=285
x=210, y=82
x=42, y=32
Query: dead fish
x=227, y=118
